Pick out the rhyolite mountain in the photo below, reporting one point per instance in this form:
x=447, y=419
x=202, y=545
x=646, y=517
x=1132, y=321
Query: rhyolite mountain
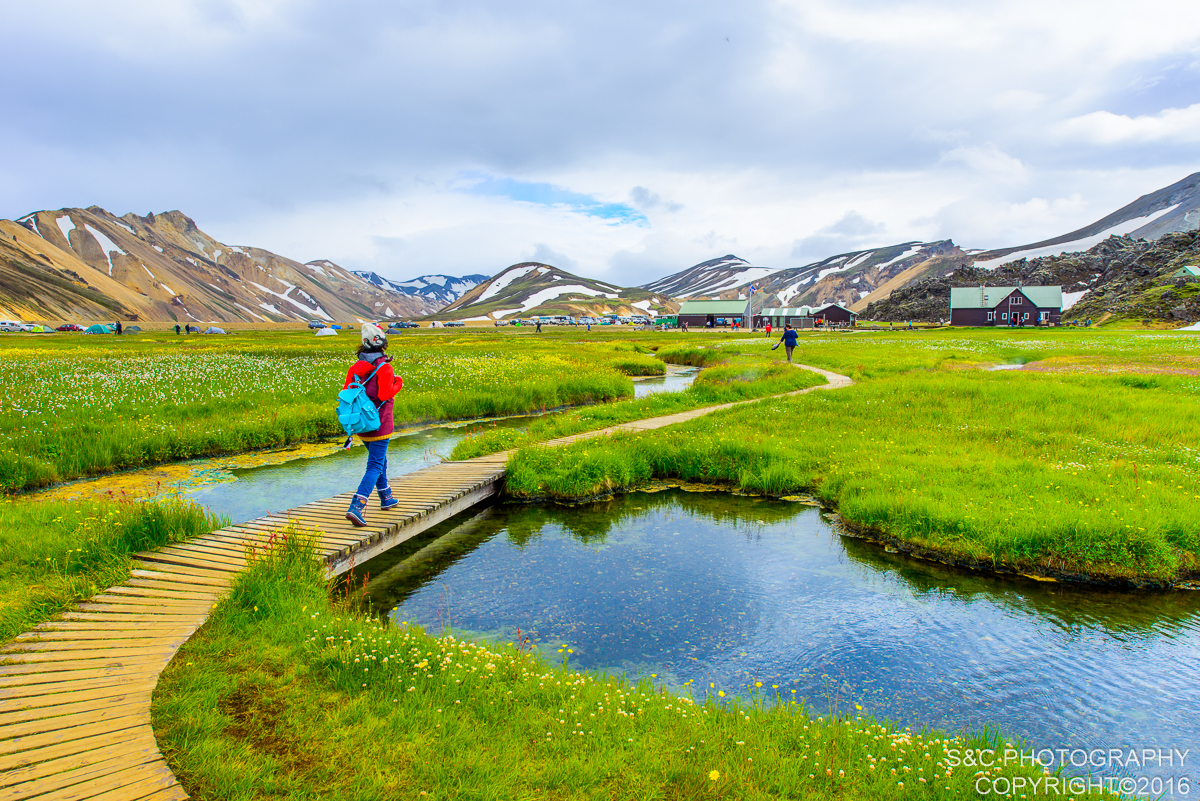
x=440, y=290
x=1167, y=210
x=531, y=289
x=1121, y=276
x=88, y=264
x=708, y=278
x=1122, y=265
x=851, y=279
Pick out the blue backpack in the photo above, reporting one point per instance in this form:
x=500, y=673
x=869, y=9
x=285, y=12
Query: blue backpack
x=357, y=413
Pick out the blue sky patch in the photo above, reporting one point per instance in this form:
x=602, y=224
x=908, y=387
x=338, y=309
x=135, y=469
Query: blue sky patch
x=550, y=195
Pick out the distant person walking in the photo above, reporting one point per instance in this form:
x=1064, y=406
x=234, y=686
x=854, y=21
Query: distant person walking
x=119, y=328
x=789, y=339
x=374, y=368
x=768, y=330
x=539, y=327
x=176, y=329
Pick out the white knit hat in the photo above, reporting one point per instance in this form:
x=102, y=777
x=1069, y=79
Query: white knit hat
x=373, y=336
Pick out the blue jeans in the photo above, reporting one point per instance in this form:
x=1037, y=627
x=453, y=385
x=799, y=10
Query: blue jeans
x=376, y=475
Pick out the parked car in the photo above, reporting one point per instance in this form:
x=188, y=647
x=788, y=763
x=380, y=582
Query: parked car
x=500, y=322
x=455, y=324
x=11, y=326
x=313, y=324
x=69, y=327
x=407, y=324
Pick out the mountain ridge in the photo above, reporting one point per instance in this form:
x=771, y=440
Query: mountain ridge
x=532, y=288
x=163, y=267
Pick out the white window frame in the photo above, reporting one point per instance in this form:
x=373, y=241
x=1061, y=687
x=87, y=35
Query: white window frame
x=991, y=317
x=1026, y=316
x=1003, y=315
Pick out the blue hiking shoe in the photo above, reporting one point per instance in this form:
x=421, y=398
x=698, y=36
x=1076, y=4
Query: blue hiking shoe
x=386, y=499
x=355, y=513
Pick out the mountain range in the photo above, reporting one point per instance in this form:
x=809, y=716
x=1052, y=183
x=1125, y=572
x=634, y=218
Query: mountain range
x=532, y=288
x=88, y=264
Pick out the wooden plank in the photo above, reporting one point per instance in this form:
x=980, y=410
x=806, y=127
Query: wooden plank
x=144, y=606
x=138, y=591
x=42, y=670
x=148, y=620
x=160, y=575
x=106, y=702
x=110, y=725
x=137, y=750
x=42, y=786
x=173, y=793
x=130, y=785
x=41, y=725
x=85, y=629
x=105, y=680
x=8, y=762
x=187, y=588
x=43, y=649
x=206, y=550
x=185, y=564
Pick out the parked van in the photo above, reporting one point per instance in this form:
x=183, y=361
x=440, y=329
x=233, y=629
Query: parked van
x=11, y=326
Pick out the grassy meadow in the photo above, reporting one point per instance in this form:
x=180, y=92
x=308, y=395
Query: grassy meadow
x=731, y=375
x=1083, y=464
x=74, y=405
x=53, y=555
x=287, y=692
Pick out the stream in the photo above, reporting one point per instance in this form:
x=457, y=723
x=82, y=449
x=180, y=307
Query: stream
x=712, y=591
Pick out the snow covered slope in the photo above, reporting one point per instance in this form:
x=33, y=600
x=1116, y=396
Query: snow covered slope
x=1172, y=208
x=92, y=265
x=709, y=278
x=438, y=290
x=532, y=288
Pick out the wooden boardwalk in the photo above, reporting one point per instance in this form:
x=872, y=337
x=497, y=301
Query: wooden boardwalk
x=75, y=691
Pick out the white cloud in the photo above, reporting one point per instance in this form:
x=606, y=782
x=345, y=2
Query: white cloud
x=339, y=130
x=1106, y=128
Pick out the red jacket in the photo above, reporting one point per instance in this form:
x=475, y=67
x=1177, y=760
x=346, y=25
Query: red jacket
x=382, y=387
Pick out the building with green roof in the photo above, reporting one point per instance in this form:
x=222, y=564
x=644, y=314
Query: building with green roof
x=1005, y=305
x=713, y=313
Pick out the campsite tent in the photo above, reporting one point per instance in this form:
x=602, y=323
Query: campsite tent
x=327, y=332
x=98, y=329
x=212, y=329
x=41, y=329
x=133, y=329
x=338, y=327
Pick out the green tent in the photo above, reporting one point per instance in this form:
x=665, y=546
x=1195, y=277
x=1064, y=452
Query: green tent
x=98, y=329
x=41, y=329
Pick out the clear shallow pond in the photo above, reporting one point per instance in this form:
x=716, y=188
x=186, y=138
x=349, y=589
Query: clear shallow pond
x=704, y=588
x=675, y=380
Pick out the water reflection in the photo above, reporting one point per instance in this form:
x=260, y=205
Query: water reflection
x=712, y=588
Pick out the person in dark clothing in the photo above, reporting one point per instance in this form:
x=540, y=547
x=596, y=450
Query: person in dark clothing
x=119, y=328
x=381, y=389
x=176, y=329
x=789, y=339
x=538, y=330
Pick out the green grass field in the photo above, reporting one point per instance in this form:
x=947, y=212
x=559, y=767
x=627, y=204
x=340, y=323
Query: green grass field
x=74, y=406
x=1084, y=464
x=56, y=554
x=287, y=693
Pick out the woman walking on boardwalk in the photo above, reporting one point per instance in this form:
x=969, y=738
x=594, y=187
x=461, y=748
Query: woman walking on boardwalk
x=374, y=369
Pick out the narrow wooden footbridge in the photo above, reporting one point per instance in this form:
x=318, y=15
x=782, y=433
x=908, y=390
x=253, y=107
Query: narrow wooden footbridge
x=75, y=691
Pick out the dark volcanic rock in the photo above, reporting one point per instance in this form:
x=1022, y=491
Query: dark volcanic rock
x=1123, y=277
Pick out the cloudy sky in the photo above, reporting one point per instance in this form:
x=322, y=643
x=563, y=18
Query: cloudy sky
x=621, y=139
